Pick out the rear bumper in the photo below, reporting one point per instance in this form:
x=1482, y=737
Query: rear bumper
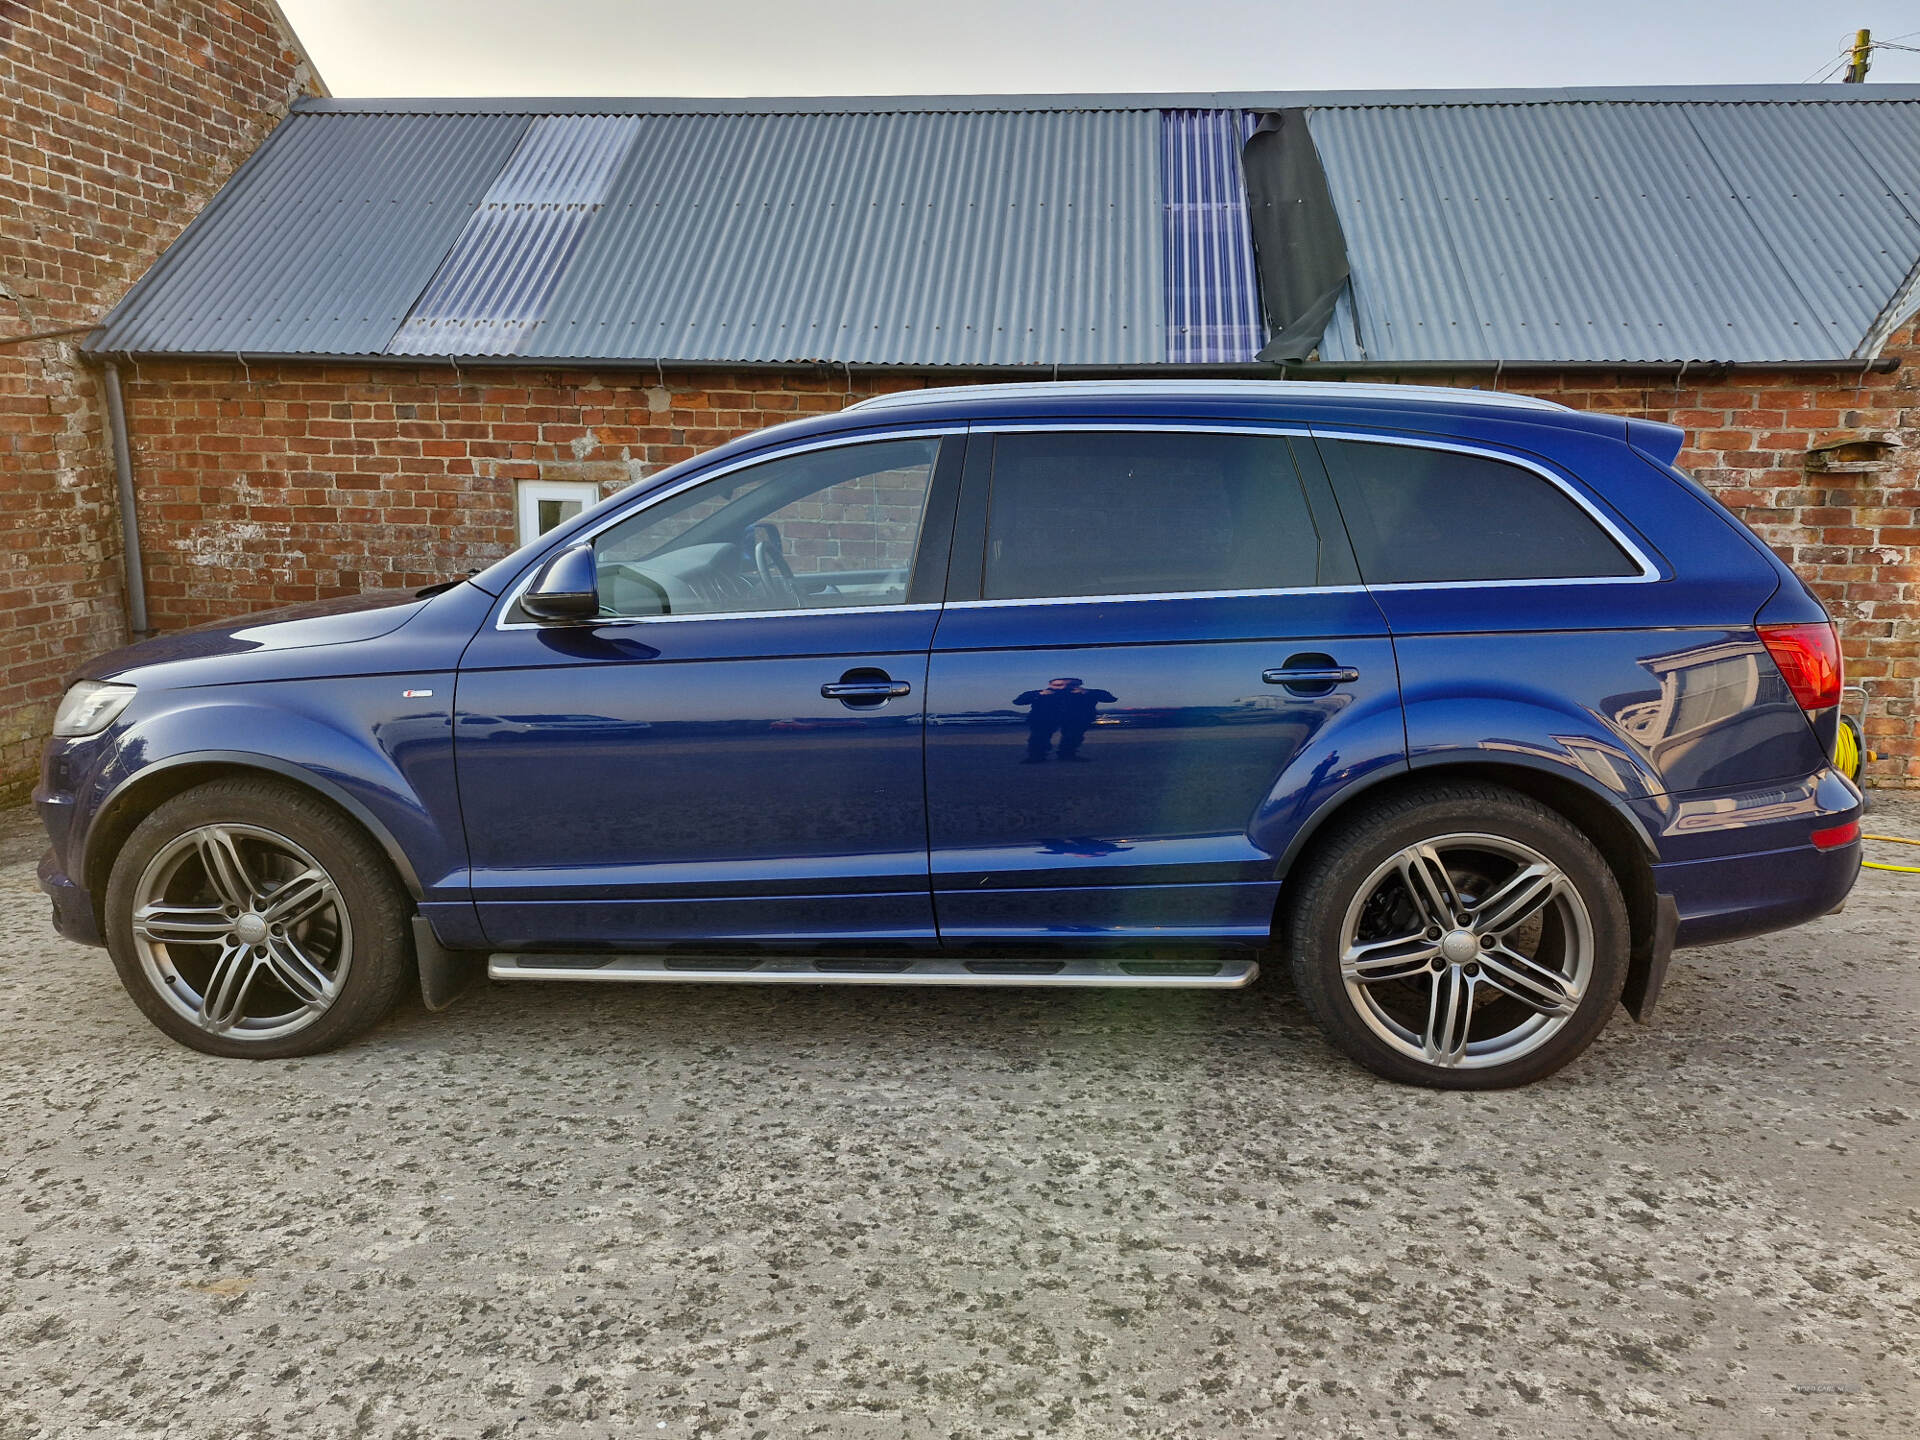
x=1741, y=895
x=1741, y=863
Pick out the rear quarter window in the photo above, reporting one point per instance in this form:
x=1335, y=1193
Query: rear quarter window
x=1428, y=516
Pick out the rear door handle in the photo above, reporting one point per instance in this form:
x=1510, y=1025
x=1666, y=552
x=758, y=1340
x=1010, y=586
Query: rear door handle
x=1303, y=677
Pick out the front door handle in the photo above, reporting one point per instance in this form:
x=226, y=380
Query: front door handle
x=1310, y=674
x=1328, y=675
x=864, y=686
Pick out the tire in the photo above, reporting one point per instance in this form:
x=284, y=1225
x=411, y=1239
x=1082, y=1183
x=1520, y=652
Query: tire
x=1504, y=999
x=249, y=918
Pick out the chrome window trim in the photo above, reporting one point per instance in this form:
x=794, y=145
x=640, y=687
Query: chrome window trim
x=733, y=615
x=1649, y=571
x=1160, y=595
x=830, y=442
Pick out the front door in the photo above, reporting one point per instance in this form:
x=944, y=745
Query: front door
x=1152, y=661
x=733, y=752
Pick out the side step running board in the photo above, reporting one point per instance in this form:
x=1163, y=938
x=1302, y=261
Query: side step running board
x=787, y=970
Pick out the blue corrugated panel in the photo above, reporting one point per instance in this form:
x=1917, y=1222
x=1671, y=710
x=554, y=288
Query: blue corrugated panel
x=955, y=238
x=494, y=286
x=1619, y=230
x=1213, y=293
x=321, y=241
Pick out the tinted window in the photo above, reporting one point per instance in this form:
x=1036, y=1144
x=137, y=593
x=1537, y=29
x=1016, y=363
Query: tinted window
x=1421, y=516
x=829, y=527
x=1128, y=513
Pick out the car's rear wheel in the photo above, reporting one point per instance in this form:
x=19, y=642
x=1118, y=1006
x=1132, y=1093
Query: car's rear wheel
x=249, y=918
x=1463, y=936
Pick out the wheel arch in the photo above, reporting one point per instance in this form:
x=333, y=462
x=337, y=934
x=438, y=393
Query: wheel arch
x=1619, y=836
x=143, y=792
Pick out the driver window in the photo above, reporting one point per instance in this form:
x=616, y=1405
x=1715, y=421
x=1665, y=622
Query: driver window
x=819, y=529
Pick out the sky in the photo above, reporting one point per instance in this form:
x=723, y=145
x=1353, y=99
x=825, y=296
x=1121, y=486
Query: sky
x=864, y=47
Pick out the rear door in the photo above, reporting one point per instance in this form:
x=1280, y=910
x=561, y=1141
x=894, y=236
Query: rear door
x=1154, y=655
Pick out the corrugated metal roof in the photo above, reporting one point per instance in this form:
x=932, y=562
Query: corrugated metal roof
x=1213, y=294
x=1704, y=224
x=1619, y=232
x=905, y=239
x=320, y=243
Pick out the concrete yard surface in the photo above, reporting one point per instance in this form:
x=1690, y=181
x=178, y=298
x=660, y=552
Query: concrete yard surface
x=715, y=1211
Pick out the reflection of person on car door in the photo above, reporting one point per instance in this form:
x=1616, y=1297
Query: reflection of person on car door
x=1064, y=707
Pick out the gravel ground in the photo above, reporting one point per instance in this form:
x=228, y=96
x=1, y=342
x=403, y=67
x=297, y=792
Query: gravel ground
x=734, y=1212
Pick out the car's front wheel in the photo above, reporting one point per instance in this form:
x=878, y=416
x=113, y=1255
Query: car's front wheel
x=249, y=918
x=1463, y=936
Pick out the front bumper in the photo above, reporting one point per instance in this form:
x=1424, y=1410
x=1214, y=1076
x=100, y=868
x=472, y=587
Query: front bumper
x=64, y=766
x=73, y=913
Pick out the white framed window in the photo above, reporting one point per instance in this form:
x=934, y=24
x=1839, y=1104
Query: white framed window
x=543, y=504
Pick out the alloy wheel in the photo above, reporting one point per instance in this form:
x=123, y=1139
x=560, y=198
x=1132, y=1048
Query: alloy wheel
x=242, y=931
x=1466, y=950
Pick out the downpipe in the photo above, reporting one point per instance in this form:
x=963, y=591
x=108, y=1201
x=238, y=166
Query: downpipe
x=136, y=580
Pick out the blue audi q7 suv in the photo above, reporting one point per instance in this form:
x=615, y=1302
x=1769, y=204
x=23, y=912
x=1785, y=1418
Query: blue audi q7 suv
x=1472, y=707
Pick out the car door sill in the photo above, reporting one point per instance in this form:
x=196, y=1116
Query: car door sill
x=817, y=970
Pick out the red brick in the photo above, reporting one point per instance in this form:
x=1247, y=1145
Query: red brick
x=104, y=156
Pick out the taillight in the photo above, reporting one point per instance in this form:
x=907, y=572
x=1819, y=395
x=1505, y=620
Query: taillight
x=1809, y=658
x=1835, y=836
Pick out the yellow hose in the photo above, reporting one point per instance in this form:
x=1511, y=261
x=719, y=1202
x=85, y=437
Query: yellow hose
x=1892, y=840
x=1846, y=752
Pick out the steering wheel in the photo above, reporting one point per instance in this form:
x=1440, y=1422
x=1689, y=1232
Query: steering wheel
x=776, y=576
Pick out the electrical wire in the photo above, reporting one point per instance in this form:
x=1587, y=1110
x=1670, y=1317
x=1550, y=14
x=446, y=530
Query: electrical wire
x=1819, y=77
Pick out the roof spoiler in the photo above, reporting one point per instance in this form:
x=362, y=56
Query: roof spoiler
x=1656, y=440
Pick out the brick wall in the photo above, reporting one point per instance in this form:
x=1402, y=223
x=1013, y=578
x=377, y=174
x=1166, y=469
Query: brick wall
x=289, y=483
x=299, y=482
x=1852, y=534
x=119, y=121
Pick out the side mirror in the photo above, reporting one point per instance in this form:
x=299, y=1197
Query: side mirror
x=567, y=587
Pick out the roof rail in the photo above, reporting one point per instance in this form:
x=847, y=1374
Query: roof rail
x=1205, y=389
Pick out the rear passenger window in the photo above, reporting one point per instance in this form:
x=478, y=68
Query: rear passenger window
x=1421, y=516
x=1134, y=513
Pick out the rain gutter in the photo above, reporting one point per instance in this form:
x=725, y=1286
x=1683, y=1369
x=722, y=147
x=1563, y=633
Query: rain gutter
x=1692, y=369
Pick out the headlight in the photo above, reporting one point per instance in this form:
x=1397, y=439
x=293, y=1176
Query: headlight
x=89, y=707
